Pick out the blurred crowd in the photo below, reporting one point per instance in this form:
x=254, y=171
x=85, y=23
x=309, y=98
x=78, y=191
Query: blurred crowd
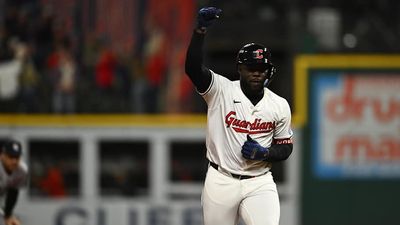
x=95, y=57
x=127, y=56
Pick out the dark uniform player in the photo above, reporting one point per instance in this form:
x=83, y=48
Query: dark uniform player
x=13, y=176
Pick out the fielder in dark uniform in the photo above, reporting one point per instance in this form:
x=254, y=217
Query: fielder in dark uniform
x=13, y=176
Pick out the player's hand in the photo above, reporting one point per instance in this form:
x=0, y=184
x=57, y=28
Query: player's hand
x=251, y=149
x=12, y=220
x=206, y=16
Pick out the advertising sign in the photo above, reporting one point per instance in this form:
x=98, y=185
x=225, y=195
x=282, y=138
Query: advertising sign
x=355, y=124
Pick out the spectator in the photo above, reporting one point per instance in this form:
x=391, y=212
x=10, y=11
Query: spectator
x=139, y=86
x=52, y=184
x=43, y=38
x=29, y=81
x=62, y=68
x=155, y=67
x=105, y=75
x=105, y=69
x=9, y=79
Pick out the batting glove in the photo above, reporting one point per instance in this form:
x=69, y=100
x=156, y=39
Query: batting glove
x=251, y=149
x=206, y=16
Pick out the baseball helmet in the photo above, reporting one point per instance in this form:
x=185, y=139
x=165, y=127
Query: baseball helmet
x=12, y=148
x=257, y=54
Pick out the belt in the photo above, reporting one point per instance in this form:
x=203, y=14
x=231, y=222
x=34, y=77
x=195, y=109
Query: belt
x=237, y=176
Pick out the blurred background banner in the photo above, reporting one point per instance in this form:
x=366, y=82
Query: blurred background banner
x=348, y=106
x=355, y=124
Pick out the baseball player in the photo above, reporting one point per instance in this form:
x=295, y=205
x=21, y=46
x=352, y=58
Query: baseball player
x=13, y=176
x=248, y=129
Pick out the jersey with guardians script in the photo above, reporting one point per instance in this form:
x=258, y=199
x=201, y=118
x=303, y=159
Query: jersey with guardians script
x=231, y=116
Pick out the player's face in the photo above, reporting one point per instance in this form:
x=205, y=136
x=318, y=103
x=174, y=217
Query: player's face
x=253, y=77
x=10, y=163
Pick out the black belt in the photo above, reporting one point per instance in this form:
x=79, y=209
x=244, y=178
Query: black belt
x=237, y=176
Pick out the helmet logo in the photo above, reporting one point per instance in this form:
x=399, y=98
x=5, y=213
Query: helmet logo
x=258, y=54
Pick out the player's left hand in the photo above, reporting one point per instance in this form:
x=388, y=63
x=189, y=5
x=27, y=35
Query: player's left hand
x=207, y=15
x=251, y=149
x=11, y=221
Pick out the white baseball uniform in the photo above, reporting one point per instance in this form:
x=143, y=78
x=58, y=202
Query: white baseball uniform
x=231, y=116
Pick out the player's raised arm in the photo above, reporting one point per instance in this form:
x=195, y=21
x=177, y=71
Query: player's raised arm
x=194, y=67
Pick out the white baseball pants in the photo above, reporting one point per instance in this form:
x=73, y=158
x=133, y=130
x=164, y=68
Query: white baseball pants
x=226, y=199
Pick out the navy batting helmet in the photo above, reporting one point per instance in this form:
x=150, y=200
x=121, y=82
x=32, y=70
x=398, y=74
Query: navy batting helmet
x=257, y=54
x=12, y=148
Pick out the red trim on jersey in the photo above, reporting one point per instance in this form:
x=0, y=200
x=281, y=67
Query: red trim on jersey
x=240, y=130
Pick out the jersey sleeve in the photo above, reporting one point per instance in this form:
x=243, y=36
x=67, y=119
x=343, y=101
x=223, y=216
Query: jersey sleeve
x=22, y=177
x=283, y=128
x=211, y=95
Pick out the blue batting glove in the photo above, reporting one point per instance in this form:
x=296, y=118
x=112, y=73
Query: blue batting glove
x=206, y=16
x=251, y=149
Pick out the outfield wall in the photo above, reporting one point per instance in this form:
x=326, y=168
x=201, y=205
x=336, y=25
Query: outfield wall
x=166, y=196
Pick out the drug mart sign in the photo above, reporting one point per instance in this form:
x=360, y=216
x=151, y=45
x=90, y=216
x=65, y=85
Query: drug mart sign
x=355, y=125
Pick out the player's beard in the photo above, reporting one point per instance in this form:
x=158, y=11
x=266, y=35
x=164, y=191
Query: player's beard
x=256, y=86
x=252, y=89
